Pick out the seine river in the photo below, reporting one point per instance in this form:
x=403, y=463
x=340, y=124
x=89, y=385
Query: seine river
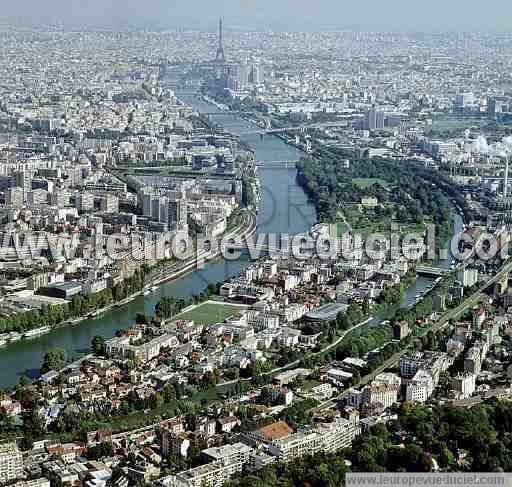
x=284, y=208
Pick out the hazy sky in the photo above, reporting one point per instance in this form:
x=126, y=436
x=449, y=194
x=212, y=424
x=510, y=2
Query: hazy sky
x=281, y=14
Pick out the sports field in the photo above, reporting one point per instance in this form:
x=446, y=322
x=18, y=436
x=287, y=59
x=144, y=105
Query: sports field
x=209, y=313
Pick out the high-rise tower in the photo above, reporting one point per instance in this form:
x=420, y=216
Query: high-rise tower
x=220, y=57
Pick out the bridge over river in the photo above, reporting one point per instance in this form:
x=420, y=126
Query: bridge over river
x=425, y=270
x=277, y=164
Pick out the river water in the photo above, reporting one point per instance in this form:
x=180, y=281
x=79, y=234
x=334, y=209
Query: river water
x=284, y=208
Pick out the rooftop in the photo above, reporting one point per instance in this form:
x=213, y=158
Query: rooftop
x=220, y=452
x=276, y=431
x=327, y=312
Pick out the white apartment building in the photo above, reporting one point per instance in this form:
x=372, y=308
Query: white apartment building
x=263, y=320
x=433, y=362
x=269, y=268
x=214, y=474
x=235, y=453
x=122, y=348
x=295, y=445
x=11, y=462
x=338, y=434
x=494, y=328
x=420, y=387
x=376, y=393
x=84, y=202
x=42, y=482
x=464, y=385
x=468, y=277
x=294, y=312
x=383, y=394
x=14, y=197
x=388, y=378
x=253, y=273
x=328, y=437
x=109, y=203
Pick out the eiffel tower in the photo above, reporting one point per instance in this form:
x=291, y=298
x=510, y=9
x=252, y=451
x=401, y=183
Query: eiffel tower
x=220, y=56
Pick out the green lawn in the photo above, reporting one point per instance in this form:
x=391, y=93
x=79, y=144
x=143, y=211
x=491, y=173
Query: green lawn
x=309, y=384
x=209, y=313
x=209, y=395
x=454, y=124
x=364, y=183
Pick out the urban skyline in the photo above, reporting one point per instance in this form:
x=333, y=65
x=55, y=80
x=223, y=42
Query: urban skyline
x=326, y=14
x=236, y=256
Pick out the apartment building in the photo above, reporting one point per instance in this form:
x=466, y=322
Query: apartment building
x=468, y=277
x=175, y=444
x=42, y=482
x=464, y=385
x=214, y=474
x=11, y=462
x=420, y=387
x=472, y=362
x=122, y=347
x=384, y=395
x=327, y=437
x=235, y=453
x=296, y=445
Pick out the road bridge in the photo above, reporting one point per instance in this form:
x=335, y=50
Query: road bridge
x=426, y=270
x=224, y=113
x=255, y=247
x=186, y=93
x=295, y=128
x=274, y=164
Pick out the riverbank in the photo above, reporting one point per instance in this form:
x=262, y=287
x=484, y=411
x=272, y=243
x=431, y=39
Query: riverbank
x=205, y=395
x=283, y=208
x=167, y=275
x=206, y=256
x=257, y=122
